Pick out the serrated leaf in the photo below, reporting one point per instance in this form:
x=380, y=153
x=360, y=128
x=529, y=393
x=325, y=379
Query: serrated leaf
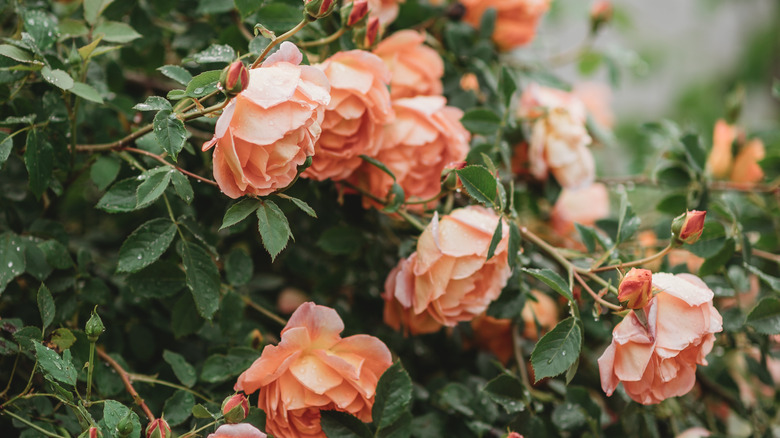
x=200, y=411
x=628, y=222
x=116, y=32
x=16, y=53
x=202, y=278
x=182, y=186
x=239, y=211
x=238, y=267
x=63, y=338
x=104, y=171
x=401, y=428
x=712, y=264
x=153, y=103
x=393, y=396
x=114, y=412
x=159, y=280
x=481, y=121
x=177, y=73
x=155, y=181
x=274, y=229
x=215, y=53
x=58, y=78
x=772, y=282
x=178, y=407
x=557, y=350
x=93, y=9
x=170, y=132
x=479, y=183
x=121, y=197
x=303, y=206
x=86, y=51
x=552, y=279
x=42, y=26
x=337, y=424
x=203, y=84
x=765, y=317
x=86, y=91
x=45, y=306
x=498, y=234
x=6, y=146
x=220, y=367
x=508, y=392
x=39, y=160
x=11, y=259
x=55, y=367
x=246, y=7
x=184, y=316
x=146, y=244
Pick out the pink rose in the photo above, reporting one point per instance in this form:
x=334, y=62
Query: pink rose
x=269, y=129
x=314, y=369
x=659, y=361
x=424, y=138
x=694, y=432
x=583, y=206
x=516, y=20
x=447, y=280
x=359, y=108
x=415, y=68
x=559, y=141
x=242, y=430
x=746, y=169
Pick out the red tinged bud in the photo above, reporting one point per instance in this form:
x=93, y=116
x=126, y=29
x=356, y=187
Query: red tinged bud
x=372, y=31
x=513, y=435
x=94, y=433
x=636, y=289
x=235, y=408
x=600, y=13
x=359, y=10
x=158, y=428
x=319, y=8
x=687, y=227
x=234, y=78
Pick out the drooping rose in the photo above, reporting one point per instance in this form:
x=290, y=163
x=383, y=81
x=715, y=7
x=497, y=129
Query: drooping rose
x=583, y=206
x=719, y=160
x=359, y=108
x=269, y=129
x=448, y=279
x=312, y=369
x=241, y=430
x=659, y=361
x=424, y=138
x=516, y=20
x=559, y=141
x=746, y=169
x=415, y=68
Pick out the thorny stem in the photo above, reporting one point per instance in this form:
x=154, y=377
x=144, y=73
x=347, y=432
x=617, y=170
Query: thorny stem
x=126, y=380
x=194, y=432
x=34, y=426
x=324, y=40
x=639, y=262
x=593, y=294
x=411, y=219
x=153, y=380
x=276, y=41
x=162, y=160
x=90, y=370
x=263, y=310
x=765, y=255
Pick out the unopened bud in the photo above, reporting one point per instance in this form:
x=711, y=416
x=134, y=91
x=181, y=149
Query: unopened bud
x=94, y=326
x=94, y=432
x=372, y=31
x=513, y=435
x=235, y=408
x=600, y=14
x=125, y=426
x=636, y=289
x=319, y=8
x=687, y=227
x=354, y=13
x=234, y=78
x=158, y=428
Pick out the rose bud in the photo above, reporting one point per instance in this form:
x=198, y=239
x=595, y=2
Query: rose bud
x=93, y=432
x=158, y=428
x=319, y=8
x=353, y=14
x=687, y=227
x=234, y=78
x=125, y=426
x=636, y=289
x=600, y=13
x=372, y=30
x=94, y=326
x=513, y=435
x=235, y=408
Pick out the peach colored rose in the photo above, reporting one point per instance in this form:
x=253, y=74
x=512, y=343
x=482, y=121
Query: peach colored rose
x=447, y=280
x=269, y=129
x=242, y=430
x=694, y=432
x=596, y=97
x=359, y=108
x=516, y=20
x=424, y=138
x=636, y=288
x=559, y=141
x=746, y=169
x=540, y=309
x=719, y=161
x=415, y=68
x=290, y=299
x=584, y=206
x=385, y=10
x=682, y=256
x=659, y=361
x=313, y=369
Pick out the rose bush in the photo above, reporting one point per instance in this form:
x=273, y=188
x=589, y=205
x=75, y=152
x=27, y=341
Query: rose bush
x=516, y=20
x=415, y=68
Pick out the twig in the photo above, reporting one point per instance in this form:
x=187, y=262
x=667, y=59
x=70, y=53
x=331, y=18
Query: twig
x=263, y=310
x=168, y=163
x=593, y=294
x=278, y=40
x=639, y=262
x=240, y=24
x=125, y=376
x=765, y=255
x=153, y=380
x=325, y=40
x=33, y=425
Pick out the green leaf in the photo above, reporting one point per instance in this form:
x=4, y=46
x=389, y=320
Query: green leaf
x=177, y=73
x=274, y=229
x=341, y=240
x=146, y=244
x=184, y=317
x=93, y=9
x=214, y=53
x=239, y=211
x=569, y=416
x=238, y=267
x=508, y=305
x=178, y=407
x=590, y=62
x=337, y=424
x=498, y=234
x=480, y=184
x=557, y=350
x=696, y=153
x=628, y=222
x=170, y=132
x=200, y=411
x=587, y=235
x=114, y=412
x=116, y=32
x=45, y=306
x=16, y=53
x=772, y=282
x=765, y=317
x=507, y=86
x=42, y=26
x=58, y=78
x=121, y=197
x=214, y=6
x=397, y=198
x=246, y=7
x=35, y=260
x=203, y=84
x=302, y=205
x=155, y=181
x=39, y=159
x=182, y=186
x=87, y=92
x=159, y=280
x=63, y=338
x=86, y=51
x=56, y=254
x=712, y=264
x=280, y=17
x=6, y=146
x=481, y=121
x=220, y=367
x=552, y=279
x=154, y=103
x=401, y=428
x=514, y=243
x=55, y=367
x=202, y=278
x=508, y=392
x=104, y=171
x=393, y=396
x=379, y=165
x=12, y=262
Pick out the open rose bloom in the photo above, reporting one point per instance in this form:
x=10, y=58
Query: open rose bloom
x=416, y=68
x=359, y=108
x=559, y=141
x=313, y=369
x=516, y=20
x=242, y=430
x=659, y=361
x=425, y=137
x=269, y=129
x=448, y=279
